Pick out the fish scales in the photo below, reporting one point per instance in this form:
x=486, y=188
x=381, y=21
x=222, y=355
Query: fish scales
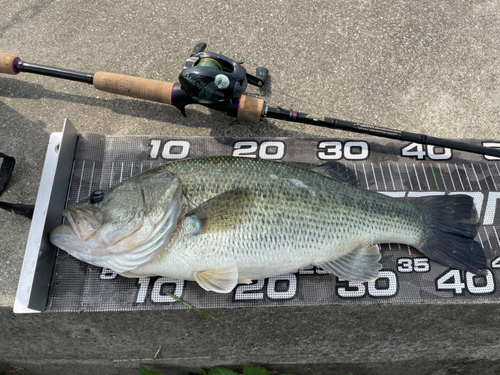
x=296, y=218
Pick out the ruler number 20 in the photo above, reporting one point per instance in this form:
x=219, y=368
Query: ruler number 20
x=270, y=150
x=274, y=290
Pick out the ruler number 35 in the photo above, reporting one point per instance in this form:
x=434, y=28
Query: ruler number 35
x=408, y=265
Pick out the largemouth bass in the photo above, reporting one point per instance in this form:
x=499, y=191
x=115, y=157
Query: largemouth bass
x=223, y=221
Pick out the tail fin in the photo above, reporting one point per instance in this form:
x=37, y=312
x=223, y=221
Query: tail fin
x=452, y=224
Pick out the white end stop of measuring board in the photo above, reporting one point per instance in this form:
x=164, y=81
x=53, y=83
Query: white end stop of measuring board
x=40, y=254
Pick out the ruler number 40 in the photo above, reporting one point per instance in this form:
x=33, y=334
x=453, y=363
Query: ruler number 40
x=455, y=281
x=420, y=152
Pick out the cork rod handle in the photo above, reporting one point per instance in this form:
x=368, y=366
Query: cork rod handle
x=250, y=109
x=148, y=89
x=7, y=63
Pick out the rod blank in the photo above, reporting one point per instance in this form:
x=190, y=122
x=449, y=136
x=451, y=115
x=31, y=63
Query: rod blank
x=378, y=131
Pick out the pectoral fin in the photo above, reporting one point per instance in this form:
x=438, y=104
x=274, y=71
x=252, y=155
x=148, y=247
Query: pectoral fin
x=222, y=212
x=359, y=265
x=220, y=280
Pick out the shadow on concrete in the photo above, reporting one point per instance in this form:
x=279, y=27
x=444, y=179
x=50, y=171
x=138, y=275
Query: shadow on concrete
x=26, y=141
x=25, y=15
x=222, y=124
x=21, y=136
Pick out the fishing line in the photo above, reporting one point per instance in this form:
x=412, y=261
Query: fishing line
x=329, y=111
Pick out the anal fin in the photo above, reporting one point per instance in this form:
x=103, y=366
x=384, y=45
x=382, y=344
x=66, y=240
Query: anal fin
x=220, y=280
x=359, y=265
x=132, y=274
x=244, y=280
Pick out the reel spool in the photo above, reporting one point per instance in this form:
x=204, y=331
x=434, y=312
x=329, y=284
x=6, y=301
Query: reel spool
x=208, y=62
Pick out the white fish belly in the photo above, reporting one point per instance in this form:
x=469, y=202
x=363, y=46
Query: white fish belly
x=264, y=253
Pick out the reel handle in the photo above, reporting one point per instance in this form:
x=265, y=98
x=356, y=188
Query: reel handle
x=7, y=63
x=200, y=47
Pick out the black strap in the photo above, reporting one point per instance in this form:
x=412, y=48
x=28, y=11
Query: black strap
x=6, y=170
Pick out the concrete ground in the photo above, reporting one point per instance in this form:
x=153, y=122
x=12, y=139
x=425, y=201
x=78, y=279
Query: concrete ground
x=422, y=66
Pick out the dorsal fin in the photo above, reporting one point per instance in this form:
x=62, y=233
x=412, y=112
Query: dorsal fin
x=332, y=169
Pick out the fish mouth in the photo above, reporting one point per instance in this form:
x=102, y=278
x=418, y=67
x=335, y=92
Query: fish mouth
x=72, y=222
x=61, y=235
x=84, y=222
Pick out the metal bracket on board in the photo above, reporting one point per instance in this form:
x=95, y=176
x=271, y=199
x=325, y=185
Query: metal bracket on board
x=36, y=272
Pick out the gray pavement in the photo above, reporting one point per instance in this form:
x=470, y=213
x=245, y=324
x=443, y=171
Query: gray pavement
x=422, y=66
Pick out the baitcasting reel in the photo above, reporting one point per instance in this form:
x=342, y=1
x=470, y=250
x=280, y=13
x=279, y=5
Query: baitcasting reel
x=211, y=77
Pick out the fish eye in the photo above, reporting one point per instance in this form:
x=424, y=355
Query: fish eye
x=97, y=196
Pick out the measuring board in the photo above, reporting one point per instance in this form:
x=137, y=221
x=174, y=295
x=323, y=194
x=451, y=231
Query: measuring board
x=390, y=167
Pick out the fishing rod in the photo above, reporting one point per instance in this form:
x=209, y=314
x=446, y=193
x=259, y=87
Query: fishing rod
x=218, y=82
